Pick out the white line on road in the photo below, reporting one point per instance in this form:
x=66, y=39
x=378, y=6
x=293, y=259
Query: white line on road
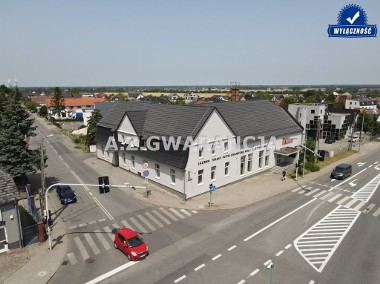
x=377, y=213
x=113, y=272
x=254, y=272
x=92, y=244
x=60, y=158
x=199, y=267
x=81, y=248
x=102, y=239
x=346, y=180
x=288, y=246
x=216, y=257
x=185, y=212
x=72, y=258
x=334, y=197
x=180, y=278
x=90, y=193
x=279, y=253
x=311, y=282
x=278, y=220
x=241, y=281
x=231, y=248
x=342, y=200
x=67, y=165
x=267, y=262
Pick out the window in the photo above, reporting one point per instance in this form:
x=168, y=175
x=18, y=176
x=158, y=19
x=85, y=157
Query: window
x=226, y=168
x=200, y=152
x=133, y=161
x=242, y=165
x=213, y=169
x=226, y=146
x=249, y=166
x=213, y=149
x=172, y=175
x=261, y=154
x=267, y=159
x=158, y=172
x=312, y=111
x=200, y=177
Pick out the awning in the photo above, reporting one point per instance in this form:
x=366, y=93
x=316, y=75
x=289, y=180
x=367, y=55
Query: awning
x=287, y=151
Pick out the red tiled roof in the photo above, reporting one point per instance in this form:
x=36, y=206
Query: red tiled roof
x=77, y=101
x=39, y=99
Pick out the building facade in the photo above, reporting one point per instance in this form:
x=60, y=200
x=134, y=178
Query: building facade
x=187, y=148
x=10, y=225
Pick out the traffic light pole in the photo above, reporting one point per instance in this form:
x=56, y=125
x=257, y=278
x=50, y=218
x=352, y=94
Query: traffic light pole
x=77, y=184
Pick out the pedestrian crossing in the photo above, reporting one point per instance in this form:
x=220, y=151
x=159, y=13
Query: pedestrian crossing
x=93, y=243
x=358, y=201
x=319, y=243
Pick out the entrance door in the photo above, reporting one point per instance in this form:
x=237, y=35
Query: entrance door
x=3, y=239
x=278, y=159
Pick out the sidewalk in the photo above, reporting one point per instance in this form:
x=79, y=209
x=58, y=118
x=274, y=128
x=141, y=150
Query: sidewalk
x=37, y=264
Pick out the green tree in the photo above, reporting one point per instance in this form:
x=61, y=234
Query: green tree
x=330, y=98
x=58, y=103
x=43, y=111
x=287, y=101
x=91, y=127
x=30, y=105
x=310, y=99
x=15, y=126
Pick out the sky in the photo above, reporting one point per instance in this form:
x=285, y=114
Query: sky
x=178, y=42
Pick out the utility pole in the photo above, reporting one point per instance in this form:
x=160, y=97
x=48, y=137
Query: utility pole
x=42, y=164
x=304, y=155
x=361, y=130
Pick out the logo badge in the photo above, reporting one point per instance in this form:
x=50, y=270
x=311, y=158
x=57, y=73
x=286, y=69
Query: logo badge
x=352, y=23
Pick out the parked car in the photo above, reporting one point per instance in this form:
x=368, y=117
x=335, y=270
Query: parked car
x=354, y=139
x=330, y=139
x=341, y=171
x=131, y=244
x=66, y=194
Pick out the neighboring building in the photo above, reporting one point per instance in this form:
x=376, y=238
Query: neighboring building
x=135, y=96
x=74, y=107
x=370, y=105
x=277, y=98
x=173, y=97
x=10, y=225
x=190, y=96
x=40, y=100
x=321, y=121
x=215, y=153
x=155, y=100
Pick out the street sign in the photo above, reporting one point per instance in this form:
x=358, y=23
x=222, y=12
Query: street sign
x=145, y=165
x=145, y=173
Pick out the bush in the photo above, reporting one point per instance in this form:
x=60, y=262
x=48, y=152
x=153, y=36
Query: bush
x=78, y=139
x=312, y=167
x=81, y=126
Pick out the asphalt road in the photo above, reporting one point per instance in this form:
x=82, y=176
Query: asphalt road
x=224, y=246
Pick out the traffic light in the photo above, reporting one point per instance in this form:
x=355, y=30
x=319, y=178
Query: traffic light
x=104, y=184
x=210, y=186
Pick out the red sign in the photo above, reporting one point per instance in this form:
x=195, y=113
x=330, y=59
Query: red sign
x=287, y=140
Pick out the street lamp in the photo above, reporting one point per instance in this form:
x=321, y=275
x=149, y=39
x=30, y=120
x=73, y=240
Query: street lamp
x=361, y=130
x=42, y=191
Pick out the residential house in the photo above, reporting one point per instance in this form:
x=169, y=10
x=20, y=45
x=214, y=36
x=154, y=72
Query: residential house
x=135, y=96
x=74, y=107
x=10, y=224
x=369, y=105
x=190, y=96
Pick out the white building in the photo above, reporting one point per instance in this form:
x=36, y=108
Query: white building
x=370, y=105
x=214, y=135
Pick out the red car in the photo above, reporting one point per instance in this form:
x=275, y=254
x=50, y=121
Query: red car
x=130, y=243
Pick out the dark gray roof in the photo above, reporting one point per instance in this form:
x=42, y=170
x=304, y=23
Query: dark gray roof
x=156, y=100
x=137, y=118
x=104, y=107
x=258, y=117
x=8, y=189
x=134, y=95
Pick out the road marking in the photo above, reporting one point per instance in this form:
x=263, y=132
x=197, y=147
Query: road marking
x=126, y=224
x=278, y=220
x=60, y=158
x=307, y=189
x=138, y=225
x=185, y=212
x=369, y=208
x=366, y=192
x=327, y=195
x=102, y=220
x=216, y=257
x=241, y=281
x=162, y=217
x=342, y=200
x=67, y=165
x=73, y=227
x=168, y=214
x=92, y=244
x=72, y=258
x=194, y=211
x=109, y=233
x=90, y=193
x=177, y=213
x=180, y=278
x=346, y=180
x=311, y=282
x=288, y=246
x=91, y=222
x=151, y=217
x=360, y=205
x=267, y=262
x=313, y=191
x=279, y=253
x=82, y=225
x=254, y=272
x=81, y=248
x=145, y=221
x=319, y=194
x=318, y=252
x=113, y=272
x=348, y=205
x=102, y=240
x=377, y=212
x=199, y=267
x=296, y=189
x=334, y=197
x=231, y=248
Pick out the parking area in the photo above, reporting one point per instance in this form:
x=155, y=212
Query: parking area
x=341, y=145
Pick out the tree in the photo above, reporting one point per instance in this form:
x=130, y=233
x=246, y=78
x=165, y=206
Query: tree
x=91, y=127
x=330, y=98
x=43, y=111
x=15, y=126
x=30, y=105
x=287, y=101
x=58, y=103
